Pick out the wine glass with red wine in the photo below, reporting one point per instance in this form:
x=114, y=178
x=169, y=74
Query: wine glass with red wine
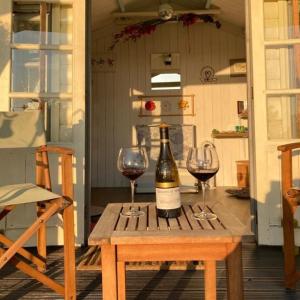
x=203, y=164
x=132, y=163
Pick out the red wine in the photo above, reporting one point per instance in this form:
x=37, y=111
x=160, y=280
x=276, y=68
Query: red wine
x=168, y=204
x=203, y=175
x=133, y=174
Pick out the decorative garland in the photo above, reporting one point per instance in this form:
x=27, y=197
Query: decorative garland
x=136, y=31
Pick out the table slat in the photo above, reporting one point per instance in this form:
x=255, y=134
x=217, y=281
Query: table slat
x=132, y=223
x=152, y=220
x=162, y=223
x=122, y=223
x=205, y=224
x=184, y=224
x=142, y=225
x=173, y=223
x=189, y=214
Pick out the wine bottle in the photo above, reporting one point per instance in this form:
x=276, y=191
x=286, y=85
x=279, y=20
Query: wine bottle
x=168, y=204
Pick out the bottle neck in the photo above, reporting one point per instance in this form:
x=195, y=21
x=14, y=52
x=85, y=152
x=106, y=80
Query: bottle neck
x=165, y=150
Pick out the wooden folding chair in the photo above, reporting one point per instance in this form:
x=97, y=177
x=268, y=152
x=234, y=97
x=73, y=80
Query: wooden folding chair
x=290, y=202
x=26, y=129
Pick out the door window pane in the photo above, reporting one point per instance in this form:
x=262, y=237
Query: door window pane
x=283, y=67
x=54, y=19
x=283, y=117
x=57, y=113
x=281, y=19
x=35, y=71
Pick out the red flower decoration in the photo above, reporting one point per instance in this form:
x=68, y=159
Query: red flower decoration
x=136, y=31
x=150, y=105
x=188, y=19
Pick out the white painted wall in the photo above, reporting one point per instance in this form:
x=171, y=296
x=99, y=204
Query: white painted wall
x=115, y=106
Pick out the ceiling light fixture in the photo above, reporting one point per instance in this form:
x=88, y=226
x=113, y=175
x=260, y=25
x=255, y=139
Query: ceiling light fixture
x=165, y=11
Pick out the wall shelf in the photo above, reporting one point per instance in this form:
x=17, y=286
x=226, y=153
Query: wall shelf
x=243, y=115
x=229, y=135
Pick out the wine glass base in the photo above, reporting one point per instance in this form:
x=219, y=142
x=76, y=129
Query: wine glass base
x=132, y=213
x=205, y=216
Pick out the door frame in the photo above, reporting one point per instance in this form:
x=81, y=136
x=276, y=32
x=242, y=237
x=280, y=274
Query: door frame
x=88, y=120
x=251, y=136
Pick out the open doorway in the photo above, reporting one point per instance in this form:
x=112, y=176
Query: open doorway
x=204, y=49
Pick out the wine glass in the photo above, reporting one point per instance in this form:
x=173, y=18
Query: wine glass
x=203, y=164
x=132, y=162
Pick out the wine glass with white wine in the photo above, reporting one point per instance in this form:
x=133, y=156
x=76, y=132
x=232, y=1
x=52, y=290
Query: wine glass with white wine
x=203, y=164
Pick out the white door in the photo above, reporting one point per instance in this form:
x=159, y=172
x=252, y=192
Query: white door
x=275, y=44
x=43, y=60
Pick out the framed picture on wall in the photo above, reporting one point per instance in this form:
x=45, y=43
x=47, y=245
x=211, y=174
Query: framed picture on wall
x=238, y=67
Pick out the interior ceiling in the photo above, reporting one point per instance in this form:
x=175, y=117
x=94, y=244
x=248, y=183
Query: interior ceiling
x=232, y=11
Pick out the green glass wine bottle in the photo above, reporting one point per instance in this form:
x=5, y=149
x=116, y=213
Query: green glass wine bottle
x=168, y=203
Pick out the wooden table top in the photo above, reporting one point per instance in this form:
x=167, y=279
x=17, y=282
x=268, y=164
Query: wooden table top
x=112, y=228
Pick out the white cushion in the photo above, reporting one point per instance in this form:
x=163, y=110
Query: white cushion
x=24, y=193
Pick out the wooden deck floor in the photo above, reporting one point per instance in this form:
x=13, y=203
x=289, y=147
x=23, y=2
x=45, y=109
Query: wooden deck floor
x=263, y=267
x=262, y=279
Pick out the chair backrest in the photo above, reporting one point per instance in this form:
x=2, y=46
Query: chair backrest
x=22, y=129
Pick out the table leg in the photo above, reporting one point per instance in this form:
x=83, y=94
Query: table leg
x=121, y=280
x=210, y=288
x=109, y=272
x=234, y=272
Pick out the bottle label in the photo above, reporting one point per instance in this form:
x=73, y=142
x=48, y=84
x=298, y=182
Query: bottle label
x=168, y=198
x=166, y=185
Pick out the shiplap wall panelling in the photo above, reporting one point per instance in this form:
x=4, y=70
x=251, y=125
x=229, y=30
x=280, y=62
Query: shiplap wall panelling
x=123, y=108
x=116, y=107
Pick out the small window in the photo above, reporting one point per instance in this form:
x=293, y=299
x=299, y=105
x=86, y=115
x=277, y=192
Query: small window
x=165, y=81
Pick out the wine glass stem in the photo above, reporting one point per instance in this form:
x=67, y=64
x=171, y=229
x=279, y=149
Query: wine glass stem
x=203, y=195
x=132, y=184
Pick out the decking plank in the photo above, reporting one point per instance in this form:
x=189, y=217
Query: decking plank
x=263, y=279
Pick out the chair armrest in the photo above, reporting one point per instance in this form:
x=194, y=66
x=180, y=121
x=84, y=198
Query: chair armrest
x=288, y=147
x=55, y=149
x=294, y=194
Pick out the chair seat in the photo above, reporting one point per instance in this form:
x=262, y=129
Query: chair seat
x=24, y=193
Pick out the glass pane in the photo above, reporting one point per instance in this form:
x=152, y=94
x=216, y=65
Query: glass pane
x=28, y=19
x=165, y=81
x=58, y=116
x=36, y=71
x=281, y=19
x=283, y=67
x=283, y=115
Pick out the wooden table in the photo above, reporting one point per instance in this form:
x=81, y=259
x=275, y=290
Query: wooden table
x=150, y=238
